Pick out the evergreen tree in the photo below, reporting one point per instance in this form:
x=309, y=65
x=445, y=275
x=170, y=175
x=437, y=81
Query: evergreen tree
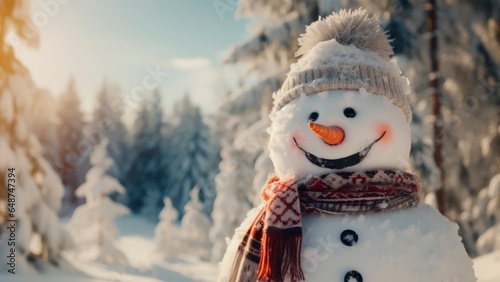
x=107, y=123
x=167, y=233
x=33, y=183
x=194, y=226
x=191, y=157
x=92, y=223
x=72, y=168
x=147, y=172
x=231, y=204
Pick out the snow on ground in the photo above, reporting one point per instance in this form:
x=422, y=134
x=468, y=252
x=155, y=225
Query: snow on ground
x=136, y=242
x=487, y=267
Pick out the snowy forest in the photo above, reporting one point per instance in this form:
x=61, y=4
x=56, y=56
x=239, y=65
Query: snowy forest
x=149, y=191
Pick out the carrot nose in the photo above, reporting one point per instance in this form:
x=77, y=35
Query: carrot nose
x=332, y=135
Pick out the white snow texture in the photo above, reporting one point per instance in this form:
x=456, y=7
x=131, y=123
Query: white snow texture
x=411, y=245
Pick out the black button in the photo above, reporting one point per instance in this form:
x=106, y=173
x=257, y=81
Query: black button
x=349, y=237
x=353, y=276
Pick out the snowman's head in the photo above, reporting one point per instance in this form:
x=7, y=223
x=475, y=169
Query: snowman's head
x=338, y=130
x=343, y=105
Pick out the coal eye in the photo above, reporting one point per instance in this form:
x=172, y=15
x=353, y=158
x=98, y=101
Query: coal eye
x=349, y=112
x=313, y=116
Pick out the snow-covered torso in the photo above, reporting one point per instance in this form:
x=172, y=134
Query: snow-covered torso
x=412, y=245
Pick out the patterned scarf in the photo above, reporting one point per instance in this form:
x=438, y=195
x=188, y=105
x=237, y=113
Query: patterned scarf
x=270, y=250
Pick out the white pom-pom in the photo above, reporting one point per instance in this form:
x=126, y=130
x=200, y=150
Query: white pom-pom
x=348, y=27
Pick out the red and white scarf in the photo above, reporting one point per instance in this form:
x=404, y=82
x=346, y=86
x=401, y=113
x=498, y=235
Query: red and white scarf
x=270, y=250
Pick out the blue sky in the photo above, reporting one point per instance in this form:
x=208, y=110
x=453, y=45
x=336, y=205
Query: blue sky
x=119, y=39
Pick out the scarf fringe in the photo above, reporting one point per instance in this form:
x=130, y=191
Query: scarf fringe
x=249, y=270
x=281, y=256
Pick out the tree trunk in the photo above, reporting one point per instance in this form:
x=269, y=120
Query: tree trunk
x=431, y=7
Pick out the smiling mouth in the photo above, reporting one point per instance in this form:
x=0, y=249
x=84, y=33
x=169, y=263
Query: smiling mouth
x=341, y=163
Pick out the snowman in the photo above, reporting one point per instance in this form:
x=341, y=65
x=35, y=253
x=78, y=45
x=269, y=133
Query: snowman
x=341, y=206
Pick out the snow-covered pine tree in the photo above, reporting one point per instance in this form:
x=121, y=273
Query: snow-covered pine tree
x=73, y=166
x=107, y=122
x=147, y=173
x=232, y=186
x=167, y=233
x=92, y=223
x=34, y=185
x=194, y=226
x=190, y=156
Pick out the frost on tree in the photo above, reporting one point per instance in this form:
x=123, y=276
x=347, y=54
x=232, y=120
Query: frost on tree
x=191, y=157
x=38, y=190
x=167, y=233
x=194, y=228
x=92, y=223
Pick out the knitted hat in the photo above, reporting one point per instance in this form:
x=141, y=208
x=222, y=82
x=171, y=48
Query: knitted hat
x=345, y=51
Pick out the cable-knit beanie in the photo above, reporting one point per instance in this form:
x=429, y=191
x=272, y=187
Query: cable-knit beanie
x=345, y=51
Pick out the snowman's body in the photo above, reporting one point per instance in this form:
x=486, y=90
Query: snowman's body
x=411, y=245
x=325, y=121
